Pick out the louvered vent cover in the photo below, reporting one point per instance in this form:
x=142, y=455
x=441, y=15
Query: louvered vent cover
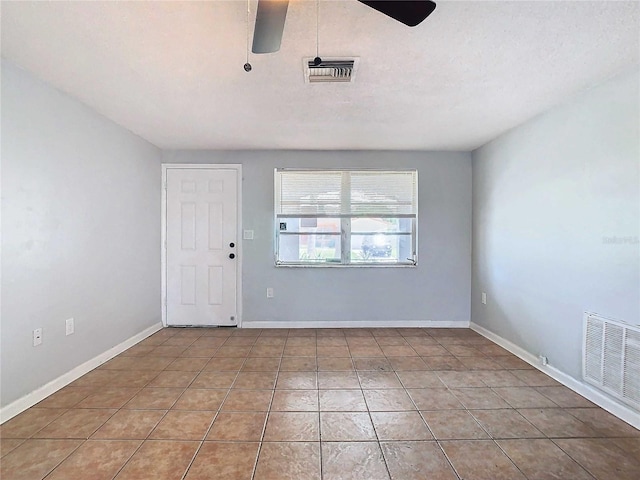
x=611, y=358
x=340, y=70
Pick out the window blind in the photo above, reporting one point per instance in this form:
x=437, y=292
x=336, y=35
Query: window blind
x=342, y=193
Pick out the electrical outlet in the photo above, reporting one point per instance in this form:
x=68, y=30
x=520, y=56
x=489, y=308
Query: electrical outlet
x=37, y=337
x=69, y=326
x=269, y=292
x=544, y=360
x=484, y=298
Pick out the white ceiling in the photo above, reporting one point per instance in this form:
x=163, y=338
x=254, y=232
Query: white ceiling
x=172, y=71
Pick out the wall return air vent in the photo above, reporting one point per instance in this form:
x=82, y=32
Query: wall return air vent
x=611, y=359
x=334, y=70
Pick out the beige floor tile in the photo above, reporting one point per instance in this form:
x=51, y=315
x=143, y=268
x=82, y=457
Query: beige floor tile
x=297, y=380
x=479, y=398
x=342, y=401
x=421, y=379
x=154, y=398
x=400, y=364
x=377, y=364
x=68, y=397
x=388, y=400
x=256, y=380
x=378, y=380
x=77, y=423
x=453, y=379
x=443, y=362
x=248, y=400
x=534, y=378
x=200, y=399
x=298, y=364
x=434, y=399
x=269, y=364
x=34, y=459
x=29, y=422
x=7, y=445
x=224, y=461
x=400, y=426
x=331, y=341
x=480, y=460
x=338, y=380
x=303, y=461
x=214, y=379
x=238, y=426
x=506, y=423
x=398, y=351
x=524, y=397
x=161, y=459
x=96, y=459
x=542, y=460
x=236, y=341
x=226, y=351
x=353, y=461
x=129, y=425
x=173, y=378
x=335, y=364
x=346, y=427
x=295, y=401
x=454, y=425
x=630, y=446
x=564, y=397
x=498, y=378
x=332, y=351
x=266, y=351
x=300, y=351
x=603, y=422
x=183, y=425
x=224, y=364
x=365, y=351
x=416, y=461
x=292, y=427
x=188, y=364
x=557, y=423
x=108, y=397
x=601, y=457
x=430, y=350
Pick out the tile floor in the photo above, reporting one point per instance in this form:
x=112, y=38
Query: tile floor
x=367, y=404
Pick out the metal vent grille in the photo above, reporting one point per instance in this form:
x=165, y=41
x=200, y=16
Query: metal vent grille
x=330, y=71
x=611, y=358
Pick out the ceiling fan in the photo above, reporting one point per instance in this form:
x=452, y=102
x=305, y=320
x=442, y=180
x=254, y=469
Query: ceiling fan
x=271, y=15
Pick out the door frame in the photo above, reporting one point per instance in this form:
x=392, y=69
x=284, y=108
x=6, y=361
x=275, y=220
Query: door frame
x=163, y=246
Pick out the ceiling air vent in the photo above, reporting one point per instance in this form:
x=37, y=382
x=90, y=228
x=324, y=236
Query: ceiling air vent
x=340, y=70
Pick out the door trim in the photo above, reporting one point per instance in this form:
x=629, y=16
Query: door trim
x=163, y=245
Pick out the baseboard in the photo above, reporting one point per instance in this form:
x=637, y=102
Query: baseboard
x=601, y=399
x=354, y=324
x=43, y=392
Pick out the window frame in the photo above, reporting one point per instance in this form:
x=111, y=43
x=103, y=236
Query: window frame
x=346, y=232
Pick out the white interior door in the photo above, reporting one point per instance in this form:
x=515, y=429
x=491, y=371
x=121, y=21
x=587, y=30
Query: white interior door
x=201, y=246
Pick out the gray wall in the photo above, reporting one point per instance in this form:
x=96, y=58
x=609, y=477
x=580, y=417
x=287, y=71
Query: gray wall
x=556, y=212
x=437, y=290
x=80, y=233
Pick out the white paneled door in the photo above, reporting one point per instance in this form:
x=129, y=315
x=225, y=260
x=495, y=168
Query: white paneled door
x=202, y=246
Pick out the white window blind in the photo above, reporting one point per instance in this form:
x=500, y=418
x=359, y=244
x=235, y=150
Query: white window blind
x=351, y=193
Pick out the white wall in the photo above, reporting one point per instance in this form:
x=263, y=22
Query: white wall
x=81, y=233
x=547, y=198
x=438, y=290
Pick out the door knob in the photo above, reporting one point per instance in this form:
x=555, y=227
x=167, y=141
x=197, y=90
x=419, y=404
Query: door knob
x=232, y=244
x=232, y=255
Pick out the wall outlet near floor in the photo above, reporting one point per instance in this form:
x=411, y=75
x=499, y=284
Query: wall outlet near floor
x=269, y=292
x=69, y=326
x=37, y=337
x=544, y=360
x=484, y=298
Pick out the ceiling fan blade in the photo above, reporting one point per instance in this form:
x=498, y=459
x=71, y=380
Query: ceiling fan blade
x=409, y=12
x=270, y=18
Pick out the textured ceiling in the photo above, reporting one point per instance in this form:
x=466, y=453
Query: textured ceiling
x=172, y=71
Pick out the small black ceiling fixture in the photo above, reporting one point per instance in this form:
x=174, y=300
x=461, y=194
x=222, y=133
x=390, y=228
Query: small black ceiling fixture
x=271, y=15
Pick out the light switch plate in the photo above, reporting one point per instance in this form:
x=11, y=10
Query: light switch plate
x=247, y=235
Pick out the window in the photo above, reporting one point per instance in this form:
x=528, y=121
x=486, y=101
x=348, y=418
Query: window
x=346, y=217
